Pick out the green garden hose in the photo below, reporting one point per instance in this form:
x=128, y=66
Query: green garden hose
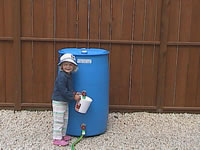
x=78, y=140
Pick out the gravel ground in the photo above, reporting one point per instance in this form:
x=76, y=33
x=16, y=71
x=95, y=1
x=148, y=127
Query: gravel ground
x=24, y=130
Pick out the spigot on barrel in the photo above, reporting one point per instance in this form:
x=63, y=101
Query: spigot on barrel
x=83, y=126
x=83, y=93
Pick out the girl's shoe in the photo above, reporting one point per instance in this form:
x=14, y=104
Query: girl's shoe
x=66, y=138
x=60, y=142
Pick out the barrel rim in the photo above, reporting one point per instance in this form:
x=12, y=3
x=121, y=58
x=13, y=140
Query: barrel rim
x=77, y=51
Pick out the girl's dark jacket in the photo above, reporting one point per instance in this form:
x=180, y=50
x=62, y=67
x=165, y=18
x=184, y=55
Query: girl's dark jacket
x=63, y=89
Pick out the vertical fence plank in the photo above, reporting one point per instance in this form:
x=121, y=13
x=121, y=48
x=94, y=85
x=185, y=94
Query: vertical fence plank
x=48, y=71
x=105, y=22
x=72, y=16
x=83, y=22
x=195, y=30
x=67, y=24
x=192, y=82
x=43, y=53
x=26, y=48
x=172, y=54
x=26, y=18
x=17, y=55
x=149, y=83
x=183, y=61
x=116, y=84
x=2, y=56
x=162, y=53
x=105, y=26
x=48, y=50
x=9, y=20
x=2, y=73
x=38, y=18
x=2, y=18
x=94, y=15
x=170, y=76
x=38, y=55
x=198, y=86
x=120, y=54
x=194, y=58
x=27, y=72
x=137, y=53
x=126, y=28
x=11, y=83
x=61, y=18
x=72, y=22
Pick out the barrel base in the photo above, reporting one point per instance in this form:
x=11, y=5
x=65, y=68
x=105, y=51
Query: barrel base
x=86, y=135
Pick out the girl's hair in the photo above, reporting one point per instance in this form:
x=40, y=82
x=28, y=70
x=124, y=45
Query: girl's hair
x=75, y=68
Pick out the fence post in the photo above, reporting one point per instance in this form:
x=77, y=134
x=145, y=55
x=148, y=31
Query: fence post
x=17, y=52
x=162, y=54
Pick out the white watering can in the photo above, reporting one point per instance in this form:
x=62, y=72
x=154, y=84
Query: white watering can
x=83, y=104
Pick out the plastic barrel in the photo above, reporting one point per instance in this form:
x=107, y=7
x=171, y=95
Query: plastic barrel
x=92, y=76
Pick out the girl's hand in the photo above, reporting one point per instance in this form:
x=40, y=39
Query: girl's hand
x=77, y=97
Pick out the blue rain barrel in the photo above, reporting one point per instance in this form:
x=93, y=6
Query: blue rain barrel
x=92, y=76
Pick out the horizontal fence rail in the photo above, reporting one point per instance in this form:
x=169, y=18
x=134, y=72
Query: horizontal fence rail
x=91, y=41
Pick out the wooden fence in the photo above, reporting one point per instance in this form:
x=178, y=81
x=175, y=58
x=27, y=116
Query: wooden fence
x=154, y=50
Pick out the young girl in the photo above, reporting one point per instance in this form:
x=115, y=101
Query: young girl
x=62, y=94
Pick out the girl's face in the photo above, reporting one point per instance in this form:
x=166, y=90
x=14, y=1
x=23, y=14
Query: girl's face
x=67, y=67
